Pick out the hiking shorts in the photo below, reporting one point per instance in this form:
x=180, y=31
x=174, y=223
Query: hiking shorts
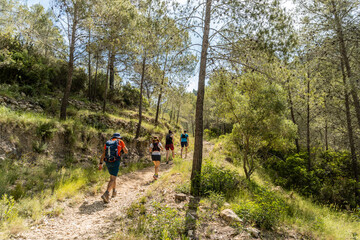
x=184, y=144
x=169, y=146
x=113, y=167
x=156, y=157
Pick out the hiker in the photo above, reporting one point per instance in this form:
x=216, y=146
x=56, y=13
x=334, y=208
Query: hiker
x=112, y=157
x=169, y=145
x=155, y=148
x=184, y=139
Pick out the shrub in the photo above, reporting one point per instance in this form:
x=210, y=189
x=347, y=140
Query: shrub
x=162, y=223
x=183, y=188
x=50, y=106
x=216, y=200
x=218, y=180
x=39, y=147
x=8, y=212
x=127, y=96
x=329, y=181
x=212, y=133
x=165, y=223
x=266, y=210
x=46, y=130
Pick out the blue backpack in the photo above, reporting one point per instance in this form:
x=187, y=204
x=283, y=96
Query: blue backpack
x=111, y=151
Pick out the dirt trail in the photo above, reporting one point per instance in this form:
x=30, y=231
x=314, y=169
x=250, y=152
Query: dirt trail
x=92, y=219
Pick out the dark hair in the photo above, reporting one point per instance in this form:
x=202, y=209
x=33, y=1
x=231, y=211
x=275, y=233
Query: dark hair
x=170, y=131
x=185, y=131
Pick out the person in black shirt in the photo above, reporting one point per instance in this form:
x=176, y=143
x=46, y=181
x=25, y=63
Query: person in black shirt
x=169, y=145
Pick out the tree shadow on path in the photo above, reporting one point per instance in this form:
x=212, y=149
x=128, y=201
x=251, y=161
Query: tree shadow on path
x=91, y=208
x=191, y=216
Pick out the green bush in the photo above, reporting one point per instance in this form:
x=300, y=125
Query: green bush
x=22, y=64
x=127, y=96
x=50, y=105
x=212, y=133
x=330, y=180
x=218, y=180
x=216, y=200
x=163, y=222
x=183, y=188
x=8, y=212
x=46, y=130
x=266, y=210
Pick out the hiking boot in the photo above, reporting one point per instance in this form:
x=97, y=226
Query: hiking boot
x=167, y=162
x=105, y=197
x=156, y=176
x=114, y=193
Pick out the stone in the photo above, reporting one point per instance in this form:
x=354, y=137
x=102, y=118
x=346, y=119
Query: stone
x=229, y=216
x=227, y=205
x=23, y=94
x=253, y=232
x=276, y=189
x=179, y=197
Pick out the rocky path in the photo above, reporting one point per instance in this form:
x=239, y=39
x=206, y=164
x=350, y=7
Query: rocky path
x=92, y=219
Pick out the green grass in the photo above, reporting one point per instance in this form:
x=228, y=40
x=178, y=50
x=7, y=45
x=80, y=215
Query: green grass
x=323, y=221
x=259, y=205
x=308, y=218
x=36, y=183
x=33, y=203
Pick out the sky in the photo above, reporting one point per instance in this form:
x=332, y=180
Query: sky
x=193, y=81
x=45, y=3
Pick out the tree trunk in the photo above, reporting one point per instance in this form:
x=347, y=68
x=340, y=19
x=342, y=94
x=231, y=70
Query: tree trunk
x=106, y=82
x=308, y=124
x=198, y=148
x=177, y=118
x=172, y=113
x=65, y=98
x=164, y=109
x=246, y=157
x=141, y=96
x=326, y=128
x=326, y=135
x=112, y=72
x=96, y=76
x=293, y=119
x=160, y=94
x=351, y=136
x=89, y=64
x=346, y=61
x=193, y=126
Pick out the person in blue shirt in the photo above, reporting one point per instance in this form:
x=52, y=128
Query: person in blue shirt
x=184, y=139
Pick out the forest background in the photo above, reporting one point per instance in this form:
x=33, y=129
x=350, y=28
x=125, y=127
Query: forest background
x=281, y=93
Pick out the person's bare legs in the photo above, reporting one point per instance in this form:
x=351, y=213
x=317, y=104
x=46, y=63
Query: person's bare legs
x=181, y=152
x=112, y=183
x=186, y=151
x=173, y=154
x=167, y=155
x=157, y=165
